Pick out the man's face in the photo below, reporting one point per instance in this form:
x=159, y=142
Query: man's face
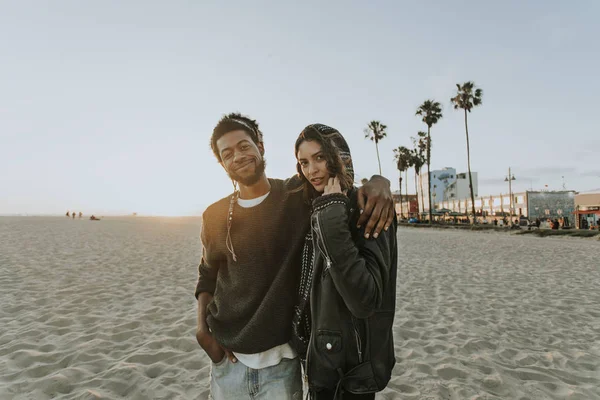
x=241, y=157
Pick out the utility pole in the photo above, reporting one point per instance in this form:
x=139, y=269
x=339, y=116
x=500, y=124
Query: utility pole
x=509, y=179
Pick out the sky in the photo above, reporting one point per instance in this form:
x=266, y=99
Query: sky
x=107, y=107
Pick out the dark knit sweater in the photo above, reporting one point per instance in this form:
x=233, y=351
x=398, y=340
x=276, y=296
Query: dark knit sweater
x=254, y=297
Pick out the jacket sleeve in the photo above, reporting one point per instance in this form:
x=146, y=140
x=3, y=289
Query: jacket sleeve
x=359, y=267
x=207, y=274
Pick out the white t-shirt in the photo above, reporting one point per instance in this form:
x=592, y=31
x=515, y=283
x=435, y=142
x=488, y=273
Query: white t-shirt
x=274, y=355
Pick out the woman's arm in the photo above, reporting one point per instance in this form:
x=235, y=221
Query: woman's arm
x=359, y=267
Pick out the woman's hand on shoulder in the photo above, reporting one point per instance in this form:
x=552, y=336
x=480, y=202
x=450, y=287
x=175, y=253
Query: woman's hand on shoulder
x=333, y=186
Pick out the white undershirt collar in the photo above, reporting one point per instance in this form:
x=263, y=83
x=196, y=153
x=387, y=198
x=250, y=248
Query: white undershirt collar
x=247, y=203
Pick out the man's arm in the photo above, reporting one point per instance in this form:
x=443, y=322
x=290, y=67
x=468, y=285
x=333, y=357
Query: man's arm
x=203, y=335
x=378, y=212
x=207, y=280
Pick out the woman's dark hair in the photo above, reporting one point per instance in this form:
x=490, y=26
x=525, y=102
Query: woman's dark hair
x=335, y=165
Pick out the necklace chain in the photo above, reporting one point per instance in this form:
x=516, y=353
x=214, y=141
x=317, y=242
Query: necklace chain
x=228, y=242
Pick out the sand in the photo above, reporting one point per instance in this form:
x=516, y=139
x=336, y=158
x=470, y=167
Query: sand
x=105, y=309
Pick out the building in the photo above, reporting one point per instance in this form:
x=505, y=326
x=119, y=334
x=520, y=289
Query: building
x=440, y=180
x=555, y=204
x=446, y=184
x=408, y=207
x=587, y=210
x=459, y=189
x=530, y=204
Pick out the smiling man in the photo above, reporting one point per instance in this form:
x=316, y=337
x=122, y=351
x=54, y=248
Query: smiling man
x=247, y=279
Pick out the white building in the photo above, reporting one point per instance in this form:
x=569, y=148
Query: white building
x=446, y=184
x=440, y=180
x=459, y=189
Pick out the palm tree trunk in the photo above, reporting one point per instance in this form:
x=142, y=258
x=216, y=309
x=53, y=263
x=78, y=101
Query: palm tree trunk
x=406, y=191
x=400, y=191
x=469, y=168
x=422, y=197
x=417, y=194
x=429, y=173
x=378, y=161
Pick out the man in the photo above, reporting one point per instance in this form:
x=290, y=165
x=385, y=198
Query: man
x=252, y=253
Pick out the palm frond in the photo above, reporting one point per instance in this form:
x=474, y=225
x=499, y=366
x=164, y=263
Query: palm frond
x=430, y=111
x=467, y=98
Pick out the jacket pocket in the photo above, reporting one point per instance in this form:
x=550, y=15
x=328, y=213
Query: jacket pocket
x=329, y=342
x=327, y=359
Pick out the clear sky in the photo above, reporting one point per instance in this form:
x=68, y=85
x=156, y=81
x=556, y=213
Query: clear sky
x=107, y=107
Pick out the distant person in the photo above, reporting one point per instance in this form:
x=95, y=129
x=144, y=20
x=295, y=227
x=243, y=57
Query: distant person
x=495, y=221
x=80, y=214
x=345, y=282
x=538, y=222
x=68, y=214
x=73, y=214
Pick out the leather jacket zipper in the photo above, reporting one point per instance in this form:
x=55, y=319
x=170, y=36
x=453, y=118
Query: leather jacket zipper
x=306, y=376
x=321, y=243
x=358, y=341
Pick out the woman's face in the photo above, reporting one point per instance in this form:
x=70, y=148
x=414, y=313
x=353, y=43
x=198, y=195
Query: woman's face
x=313, y=164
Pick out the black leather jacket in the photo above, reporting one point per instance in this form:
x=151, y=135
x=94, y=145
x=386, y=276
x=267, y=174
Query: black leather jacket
x=352, y=301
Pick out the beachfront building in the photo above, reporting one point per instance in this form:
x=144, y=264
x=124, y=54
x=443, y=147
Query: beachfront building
x=446, y=184
x=459, y=189
x=529, y=204
x=409, y=205
x=551, y=204
x=587, y=210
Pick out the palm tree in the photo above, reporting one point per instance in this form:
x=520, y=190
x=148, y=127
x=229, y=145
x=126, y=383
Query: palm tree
x=417, y=166
x=410, y=164
x=402, y=157
x=418, y=160
x=431, y=113
x=467, y=97
x=376, y=131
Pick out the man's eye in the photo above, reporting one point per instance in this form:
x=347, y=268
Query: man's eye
x=320, y=158
x=303, y=163
x=226, y=156
x=245, y=147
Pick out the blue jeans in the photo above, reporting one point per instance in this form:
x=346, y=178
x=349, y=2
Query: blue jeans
x=233, y=381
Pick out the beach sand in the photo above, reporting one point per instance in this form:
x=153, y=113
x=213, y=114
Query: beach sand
x=105, y=310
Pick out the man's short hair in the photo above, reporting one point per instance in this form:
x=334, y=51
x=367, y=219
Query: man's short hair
x=233, y=122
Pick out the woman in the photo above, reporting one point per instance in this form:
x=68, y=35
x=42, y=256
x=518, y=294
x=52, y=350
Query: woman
x=347, y=293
